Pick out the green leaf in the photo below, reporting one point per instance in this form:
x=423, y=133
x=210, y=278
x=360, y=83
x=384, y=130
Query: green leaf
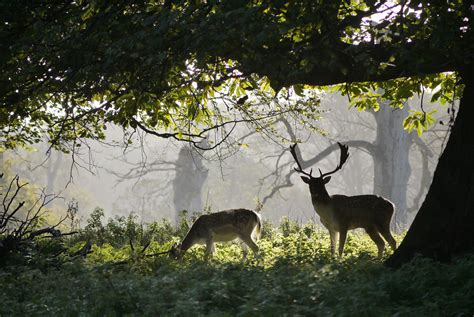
x=299, y=90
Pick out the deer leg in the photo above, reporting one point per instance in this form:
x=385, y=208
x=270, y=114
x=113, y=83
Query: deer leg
x=342, y=241
x=374, y=235
x=245, y=250
x=333, y=235
x=385, y=232
x=247, y=239
x=210, y=249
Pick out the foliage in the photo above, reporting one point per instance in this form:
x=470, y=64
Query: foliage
x=121, y=230
x=181, y=69
x=295, y=274
x=24, y=229
x=395, y=93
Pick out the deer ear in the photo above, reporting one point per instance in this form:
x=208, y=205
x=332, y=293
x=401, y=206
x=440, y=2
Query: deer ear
x=305, y=179
x=326, y=180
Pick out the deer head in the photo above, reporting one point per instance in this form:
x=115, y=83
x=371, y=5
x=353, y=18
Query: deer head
x=317, y=185
x=175, y=251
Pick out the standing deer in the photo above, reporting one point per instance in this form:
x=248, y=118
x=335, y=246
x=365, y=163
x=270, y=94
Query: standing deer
x=340, y=213
x=222, y=226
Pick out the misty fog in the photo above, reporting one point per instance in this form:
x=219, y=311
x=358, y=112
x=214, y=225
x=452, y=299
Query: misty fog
x=156, y=178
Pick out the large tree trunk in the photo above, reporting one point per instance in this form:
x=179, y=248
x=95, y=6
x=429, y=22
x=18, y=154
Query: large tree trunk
x=443, y=226
x=391, y=164
x=191, y=174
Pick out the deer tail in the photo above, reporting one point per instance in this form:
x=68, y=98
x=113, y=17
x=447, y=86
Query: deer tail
x=258, y=227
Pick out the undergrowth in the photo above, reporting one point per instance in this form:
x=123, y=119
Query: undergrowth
x=295, y=275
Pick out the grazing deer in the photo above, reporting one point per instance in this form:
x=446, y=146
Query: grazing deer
x=340, y=213
x=222, y=226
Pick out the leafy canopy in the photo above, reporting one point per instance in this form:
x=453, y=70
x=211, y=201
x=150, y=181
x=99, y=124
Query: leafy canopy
x=183, y=69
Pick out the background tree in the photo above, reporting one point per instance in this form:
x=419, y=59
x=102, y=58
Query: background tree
x=191, y=174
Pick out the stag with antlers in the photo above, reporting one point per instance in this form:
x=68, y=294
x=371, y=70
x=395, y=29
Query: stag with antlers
x=340, y=213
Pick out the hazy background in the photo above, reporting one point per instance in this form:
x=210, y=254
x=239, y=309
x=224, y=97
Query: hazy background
x=155, y=178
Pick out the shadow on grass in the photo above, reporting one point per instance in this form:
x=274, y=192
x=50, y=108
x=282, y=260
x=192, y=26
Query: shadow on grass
x=292, y=285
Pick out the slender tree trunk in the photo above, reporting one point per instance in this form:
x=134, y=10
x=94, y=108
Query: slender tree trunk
x=443, y=226
x=52, y=172
x=391, y=160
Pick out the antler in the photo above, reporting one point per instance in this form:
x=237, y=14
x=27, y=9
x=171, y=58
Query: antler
x=299, y=169
x=344, y=155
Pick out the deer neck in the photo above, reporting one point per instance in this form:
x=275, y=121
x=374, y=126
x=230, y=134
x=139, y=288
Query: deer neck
x=188, y=241
x=322, y=197
x=321, y=202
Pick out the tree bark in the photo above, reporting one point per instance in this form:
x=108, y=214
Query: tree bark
x=191, y=174
x=443, y=226
x=391, y=164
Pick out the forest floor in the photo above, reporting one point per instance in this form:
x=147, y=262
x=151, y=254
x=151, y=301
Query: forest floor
x=294, y=276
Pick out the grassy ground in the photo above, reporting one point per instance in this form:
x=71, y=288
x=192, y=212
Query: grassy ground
x=295, y=276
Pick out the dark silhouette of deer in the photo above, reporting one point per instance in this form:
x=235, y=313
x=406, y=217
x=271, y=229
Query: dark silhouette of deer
x=340, y=213
x=222, y=226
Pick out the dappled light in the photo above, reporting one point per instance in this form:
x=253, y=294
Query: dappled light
x=236, y=158
x=294, y=274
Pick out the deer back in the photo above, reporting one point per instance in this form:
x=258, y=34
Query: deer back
x=363, y=211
